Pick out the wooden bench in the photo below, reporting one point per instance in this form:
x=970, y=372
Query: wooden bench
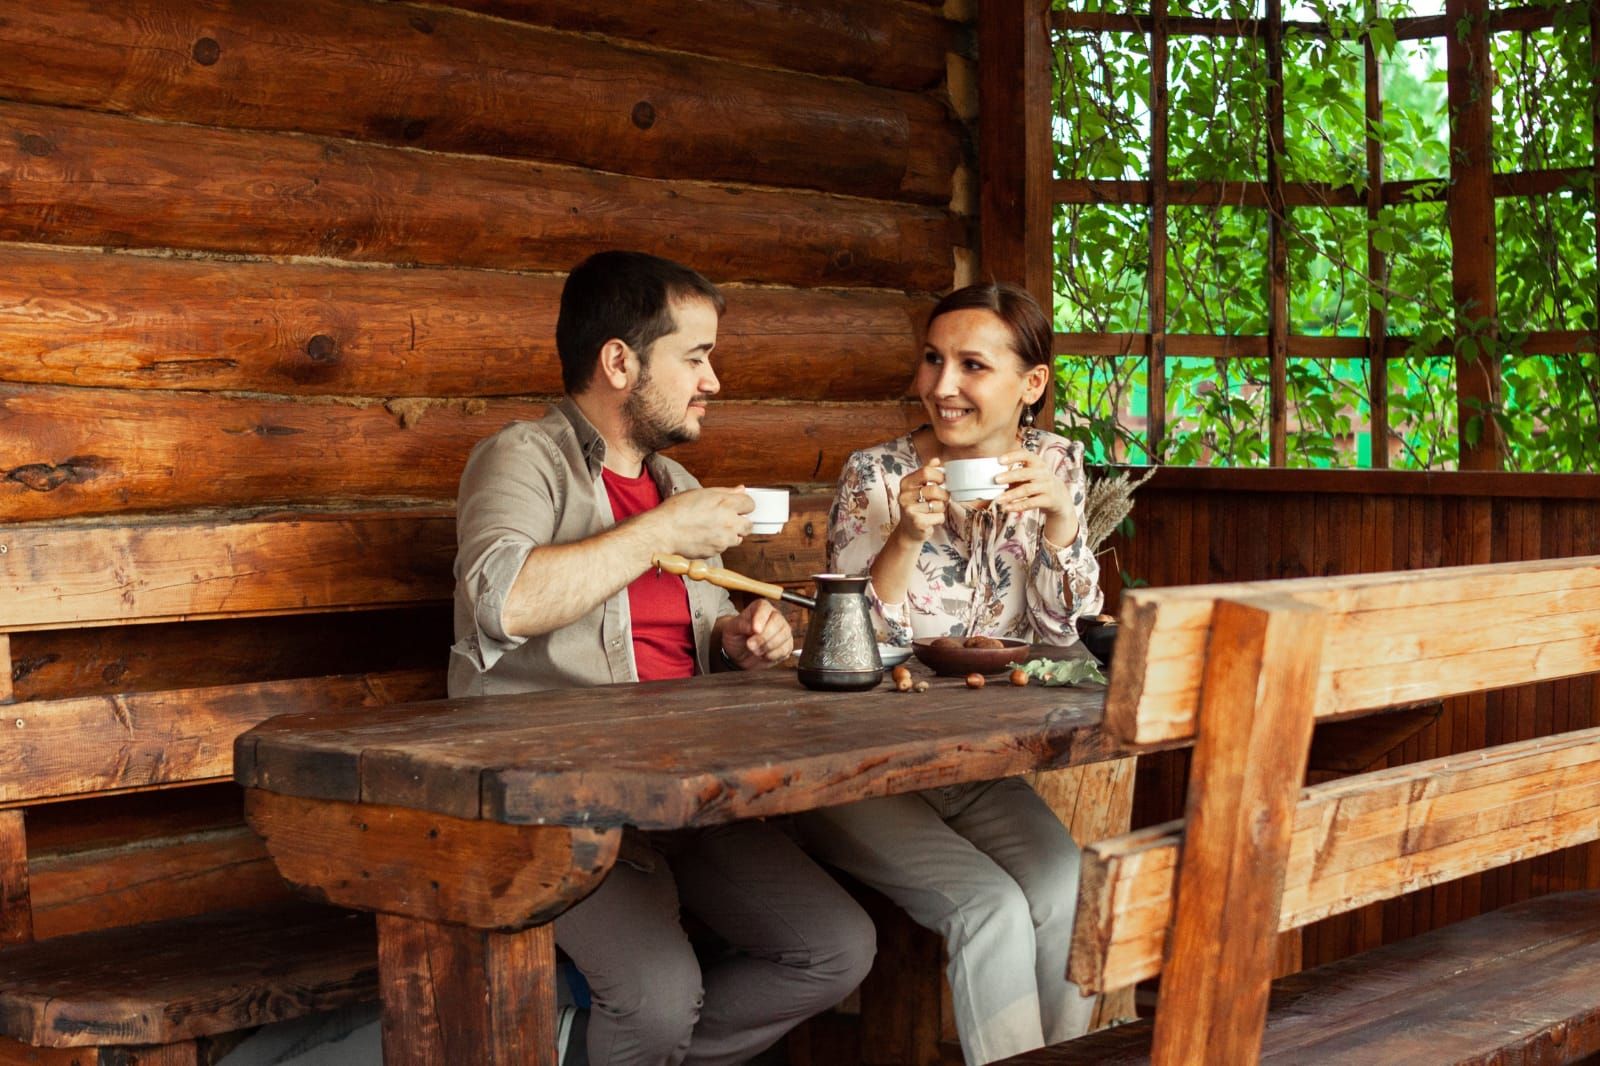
x=139, y=916
x=1245, y=669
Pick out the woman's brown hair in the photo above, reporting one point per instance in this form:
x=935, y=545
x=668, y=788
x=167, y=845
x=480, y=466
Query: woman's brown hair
x=1024, y=319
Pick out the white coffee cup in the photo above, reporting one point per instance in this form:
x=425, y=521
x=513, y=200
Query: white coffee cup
x=772, y=509
x=973, y=479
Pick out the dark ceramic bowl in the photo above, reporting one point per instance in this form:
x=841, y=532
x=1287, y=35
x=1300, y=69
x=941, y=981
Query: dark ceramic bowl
x=1100, y=640
x=959, y=662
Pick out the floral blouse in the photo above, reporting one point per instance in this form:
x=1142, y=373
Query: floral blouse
x=982, y=572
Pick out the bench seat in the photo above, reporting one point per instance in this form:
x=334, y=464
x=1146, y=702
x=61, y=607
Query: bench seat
x=186, y=978
x=1516, y=985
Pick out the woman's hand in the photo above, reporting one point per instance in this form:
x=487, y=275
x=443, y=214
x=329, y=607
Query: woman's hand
x=1033, y=486
x=922, y=500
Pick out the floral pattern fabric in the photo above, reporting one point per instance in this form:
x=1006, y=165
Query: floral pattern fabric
x=980, y=573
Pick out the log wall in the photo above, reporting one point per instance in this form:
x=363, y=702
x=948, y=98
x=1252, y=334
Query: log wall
x=305, y=253
x=1196, y=526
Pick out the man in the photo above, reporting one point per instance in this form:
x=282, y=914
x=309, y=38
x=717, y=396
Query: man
x=557, y=521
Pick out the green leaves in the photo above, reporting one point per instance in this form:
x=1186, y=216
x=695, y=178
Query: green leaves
x=1062, y=671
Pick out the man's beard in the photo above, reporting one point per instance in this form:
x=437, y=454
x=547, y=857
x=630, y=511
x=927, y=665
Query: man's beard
x=652, y=425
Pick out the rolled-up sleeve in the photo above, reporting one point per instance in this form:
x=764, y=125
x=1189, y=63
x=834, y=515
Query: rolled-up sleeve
x=507, y=507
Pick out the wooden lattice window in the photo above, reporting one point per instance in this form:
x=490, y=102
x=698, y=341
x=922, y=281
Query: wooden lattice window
x=1338, y=235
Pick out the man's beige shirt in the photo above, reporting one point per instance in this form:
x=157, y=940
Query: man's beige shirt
x=533, y=484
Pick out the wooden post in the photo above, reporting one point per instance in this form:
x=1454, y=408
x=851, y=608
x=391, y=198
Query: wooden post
x=16, y=906
x=1472, y=227
x=1156, y=353
x=1377, y=262
x=455, y=995
x=7, y=693
x=1015, y=149
x=1260, y=681
x=1277, y=246
x=1094, y=802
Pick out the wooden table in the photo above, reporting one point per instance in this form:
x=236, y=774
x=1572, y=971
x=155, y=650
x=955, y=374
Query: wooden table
x=469, y=824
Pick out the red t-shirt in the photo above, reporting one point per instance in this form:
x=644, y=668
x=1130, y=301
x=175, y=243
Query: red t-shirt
x=663, y=637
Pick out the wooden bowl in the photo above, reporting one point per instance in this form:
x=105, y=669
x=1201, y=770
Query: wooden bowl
x=959, y=662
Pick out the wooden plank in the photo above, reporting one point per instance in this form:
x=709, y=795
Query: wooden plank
x=71, y=747
x=140, y=322
x=895, y=45
x=16, y=911
x=448, y=81
x=675, y=755
x=91, y=451
x=1377, y=261
x=73, y=575
x=81, y=178
x=151, y=879
x=1358, y=841
x=1218, y=480
x=430, y=866
x=1156, y=349
x=190, y=979
x=1249, y=760
x=456, y=995
x=7, y=683
x=1513, y=986
x=105, y=660
x=1401, y=638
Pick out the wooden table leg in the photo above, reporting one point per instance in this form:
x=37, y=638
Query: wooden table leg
x=452, y=994
x=1094, y=802
x=466, y=951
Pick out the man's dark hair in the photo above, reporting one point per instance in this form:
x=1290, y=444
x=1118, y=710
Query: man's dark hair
x=627, y=296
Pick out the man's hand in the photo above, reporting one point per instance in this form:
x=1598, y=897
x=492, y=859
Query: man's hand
x=757, y=636
x=701, y=523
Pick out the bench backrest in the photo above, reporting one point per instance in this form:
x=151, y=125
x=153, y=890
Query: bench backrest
x=174, y=627
x=1245, y=669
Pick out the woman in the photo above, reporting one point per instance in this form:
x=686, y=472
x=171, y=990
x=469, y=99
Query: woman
x=986, y=865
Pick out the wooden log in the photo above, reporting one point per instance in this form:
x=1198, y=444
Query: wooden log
x=16, y=914
x=74, y=575
x=1396, y=638
x=1249, y=759
x=137, y=740
x=456, y=995
x=152, y=879
x=430, y=866
x=894, y=45
x=83, y=452
x=75, y=177
x=1360, y=840
x=138, y=322
x=448, y=81
x=103, y=660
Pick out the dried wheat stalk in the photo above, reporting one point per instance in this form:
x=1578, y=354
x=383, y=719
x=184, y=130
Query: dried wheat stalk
x=1107, y=502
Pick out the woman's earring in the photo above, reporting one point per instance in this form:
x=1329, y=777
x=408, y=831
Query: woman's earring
x=1027, y=416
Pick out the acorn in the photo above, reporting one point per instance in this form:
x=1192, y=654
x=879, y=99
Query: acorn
x=974, y=680
x=1019, y=677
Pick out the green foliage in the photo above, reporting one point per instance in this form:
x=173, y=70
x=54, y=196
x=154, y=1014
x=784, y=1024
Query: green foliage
x=1218, y=410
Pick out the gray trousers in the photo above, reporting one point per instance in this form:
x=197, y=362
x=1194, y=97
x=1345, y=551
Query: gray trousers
x=797, y=942
x=990, y=868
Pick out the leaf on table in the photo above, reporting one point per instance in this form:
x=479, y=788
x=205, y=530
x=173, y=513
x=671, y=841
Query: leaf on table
x=1063, y=671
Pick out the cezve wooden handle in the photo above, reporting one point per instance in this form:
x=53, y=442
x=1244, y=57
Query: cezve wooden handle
x=700, y=570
